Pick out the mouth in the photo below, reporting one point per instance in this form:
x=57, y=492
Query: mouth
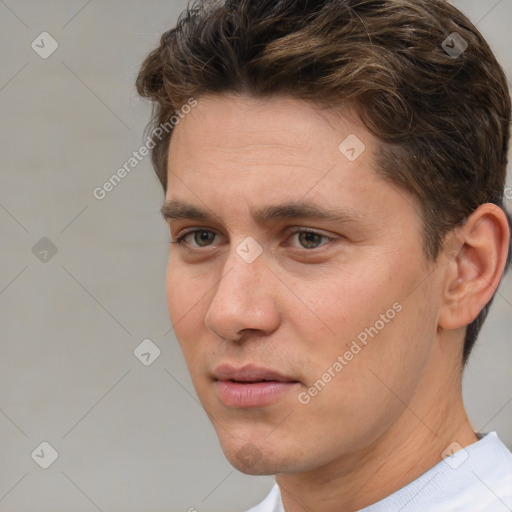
x=251, y=386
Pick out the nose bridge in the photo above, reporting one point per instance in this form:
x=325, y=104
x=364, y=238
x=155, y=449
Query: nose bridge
x=242, y=280
x=243, y=297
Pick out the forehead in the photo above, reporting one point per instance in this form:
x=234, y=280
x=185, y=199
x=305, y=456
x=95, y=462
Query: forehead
x=235, y=155
x=279, y=129
x=234, y=134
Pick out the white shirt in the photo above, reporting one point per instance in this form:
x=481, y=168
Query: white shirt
x=475, y=479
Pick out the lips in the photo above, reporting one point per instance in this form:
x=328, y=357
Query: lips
x=248, y=374
x=251, y=386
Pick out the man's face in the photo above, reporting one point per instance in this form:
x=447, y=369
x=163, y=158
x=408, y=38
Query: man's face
x=298, y=343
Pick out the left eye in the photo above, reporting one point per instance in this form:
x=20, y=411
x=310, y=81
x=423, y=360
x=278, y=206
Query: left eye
x=311, y=239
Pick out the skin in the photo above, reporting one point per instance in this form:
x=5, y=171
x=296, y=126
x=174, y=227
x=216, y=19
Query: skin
x=392, y=410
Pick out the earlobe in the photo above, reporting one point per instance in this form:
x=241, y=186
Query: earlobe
x=477, y=254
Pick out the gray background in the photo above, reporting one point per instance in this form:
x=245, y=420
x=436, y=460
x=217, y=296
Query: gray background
x=129, y=437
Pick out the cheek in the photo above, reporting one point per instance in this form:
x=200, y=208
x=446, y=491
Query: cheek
x=382, y=357
x=185, y=303
x=333, y=312
x=378, y=323
x=174, y=290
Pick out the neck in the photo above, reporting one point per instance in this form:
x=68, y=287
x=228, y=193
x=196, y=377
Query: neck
x=428, y=424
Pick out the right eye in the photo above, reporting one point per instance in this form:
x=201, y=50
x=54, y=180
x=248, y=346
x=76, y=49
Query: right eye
x=196, y=238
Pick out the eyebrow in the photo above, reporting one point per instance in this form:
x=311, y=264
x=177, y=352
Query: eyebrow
x=176, y=209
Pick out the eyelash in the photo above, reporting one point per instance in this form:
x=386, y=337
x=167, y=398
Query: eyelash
x=181, y=239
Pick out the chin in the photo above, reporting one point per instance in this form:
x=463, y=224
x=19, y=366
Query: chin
x=259, y=458
x=260, y=465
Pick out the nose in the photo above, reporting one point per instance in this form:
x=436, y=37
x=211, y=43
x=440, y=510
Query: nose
x=244, y=301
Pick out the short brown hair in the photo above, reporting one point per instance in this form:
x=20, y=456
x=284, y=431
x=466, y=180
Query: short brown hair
x=442, y=118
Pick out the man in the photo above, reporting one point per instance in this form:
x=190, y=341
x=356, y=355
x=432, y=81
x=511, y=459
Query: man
x=334, y=174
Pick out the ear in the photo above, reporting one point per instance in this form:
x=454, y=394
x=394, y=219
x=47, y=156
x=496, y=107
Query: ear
x=477, y=253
